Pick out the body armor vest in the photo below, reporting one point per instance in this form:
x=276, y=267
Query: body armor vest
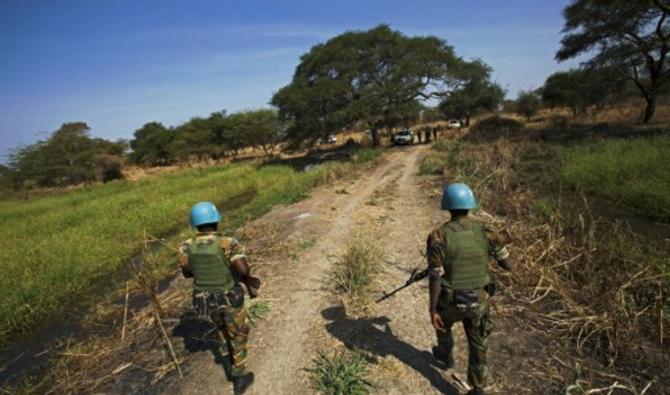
x=467, y=255
x=211, y=270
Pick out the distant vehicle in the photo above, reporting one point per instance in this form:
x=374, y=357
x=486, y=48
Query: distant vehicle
x=454, y=124
x=404, y=137
x=332, y=139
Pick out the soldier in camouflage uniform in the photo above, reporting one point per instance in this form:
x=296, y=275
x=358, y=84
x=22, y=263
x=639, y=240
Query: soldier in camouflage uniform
x=461, y=250
x=221, y=277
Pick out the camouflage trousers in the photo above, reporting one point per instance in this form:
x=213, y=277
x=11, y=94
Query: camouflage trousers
x=477, y=324
x=234, y=326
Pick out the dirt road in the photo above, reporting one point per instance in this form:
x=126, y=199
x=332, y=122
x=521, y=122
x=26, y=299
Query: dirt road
x=391, y=204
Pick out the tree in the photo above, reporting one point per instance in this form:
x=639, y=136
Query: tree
x=152, y=145
x=528, y=104
x=475, y=93
x=580, y=89
x=194, y=139
x=431, y=114
x=633, y=37
x=371, y=76
x=260, y=128
x=69, y=156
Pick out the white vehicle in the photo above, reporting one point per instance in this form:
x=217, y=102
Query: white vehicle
x=454, y=124
x=332, y=139
x=403, y=137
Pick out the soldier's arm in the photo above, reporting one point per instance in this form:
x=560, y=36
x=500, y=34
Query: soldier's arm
x=435, y=255
x=241, y=265
x=498, y=248
x=183, y=259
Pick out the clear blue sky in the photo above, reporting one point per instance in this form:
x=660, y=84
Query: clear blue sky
x=118, y=64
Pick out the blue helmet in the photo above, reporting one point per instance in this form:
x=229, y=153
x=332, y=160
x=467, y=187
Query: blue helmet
x=204, y=213
x=458, y=197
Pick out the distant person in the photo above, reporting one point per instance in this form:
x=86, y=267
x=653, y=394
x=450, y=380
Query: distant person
x=221, y=278
x=418, y=134
x=461, y=249
x=426, y=130
x=434, y=129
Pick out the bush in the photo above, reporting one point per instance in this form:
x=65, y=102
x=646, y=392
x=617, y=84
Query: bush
x=109, y=167
x=495, y=127
x=340, y=374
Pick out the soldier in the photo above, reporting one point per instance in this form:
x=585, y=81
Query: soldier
x=462, y=248
x=426, y=132
x=221, y=277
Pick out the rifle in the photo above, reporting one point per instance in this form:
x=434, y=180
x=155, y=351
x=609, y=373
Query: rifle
x=414, y=277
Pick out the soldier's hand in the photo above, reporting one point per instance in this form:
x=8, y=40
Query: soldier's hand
x=438, y=324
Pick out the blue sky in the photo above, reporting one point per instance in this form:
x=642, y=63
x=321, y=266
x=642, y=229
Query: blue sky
x=117, y=64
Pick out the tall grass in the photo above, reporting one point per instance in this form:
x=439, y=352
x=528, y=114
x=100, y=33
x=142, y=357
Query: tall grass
x=354, y=271
x=57, y=250
x=633, y=173
x=363, y=155
x=340, y=374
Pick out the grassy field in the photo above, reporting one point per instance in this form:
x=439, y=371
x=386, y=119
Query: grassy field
x=632, y=173
x=54, y=249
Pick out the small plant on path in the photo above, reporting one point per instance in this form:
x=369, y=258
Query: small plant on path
x=354, y=271
x=340, y=374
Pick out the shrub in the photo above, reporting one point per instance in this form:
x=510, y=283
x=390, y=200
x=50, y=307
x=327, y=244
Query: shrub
x=109, y=168
x=495, y=127
x=340, y=374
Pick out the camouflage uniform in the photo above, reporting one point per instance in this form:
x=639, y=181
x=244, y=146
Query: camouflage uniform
x=476, y=319
x=231, y=321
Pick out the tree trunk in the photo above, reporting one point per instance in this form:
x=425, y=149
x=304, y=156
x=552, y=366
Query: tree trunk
x=650, y=110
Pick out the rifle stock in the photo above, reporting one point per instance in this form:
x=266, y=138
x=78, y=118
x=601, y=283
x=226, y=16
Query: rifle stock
x=414, y=277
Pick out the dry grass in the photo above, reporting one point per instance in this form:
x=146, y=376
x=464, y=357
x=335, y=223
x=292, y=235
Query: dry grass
x=353, y=273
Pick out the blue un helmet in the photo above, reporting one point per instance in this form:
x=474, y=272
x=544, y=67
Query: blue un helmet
x=458, y=197
x=204, y=213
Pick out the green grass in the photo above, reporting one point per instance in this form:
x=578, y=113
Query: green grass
x=56, y=250
x=340, y=374
x=354, y=271
x=632, y=173
x=367, y=155
x=257, y=310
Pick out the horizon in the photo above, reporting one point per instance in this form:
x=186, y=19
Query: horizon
x=109, y=65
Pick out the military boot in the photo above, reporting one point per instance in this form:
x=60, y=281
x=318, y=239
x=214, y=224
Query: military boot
x=446, y=358
x=476, y=391
x=242, y=383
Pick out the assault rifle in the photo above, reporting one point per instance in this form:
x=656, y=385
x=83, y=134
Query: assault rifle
x=414, y=277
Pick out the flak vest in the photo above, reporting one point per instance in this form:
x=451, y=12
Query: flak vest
x=211, y=270
x=467, y=256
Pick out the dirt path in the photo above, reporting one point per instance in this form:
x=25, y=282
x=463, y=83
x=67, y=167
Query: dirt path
x=392, y=204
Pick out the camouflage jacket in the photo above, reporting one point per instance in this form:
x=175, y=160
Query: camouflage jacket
x=436, y=246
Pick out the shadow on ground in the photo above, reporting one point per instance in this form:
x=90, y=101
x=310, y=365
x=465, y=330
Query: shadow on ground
x=374, y=336
x=200, y=335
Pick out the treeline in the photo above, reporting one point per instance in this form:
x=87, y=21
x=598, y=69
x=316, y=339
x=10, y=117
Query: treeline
x=70, y=156
x=214, y=137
